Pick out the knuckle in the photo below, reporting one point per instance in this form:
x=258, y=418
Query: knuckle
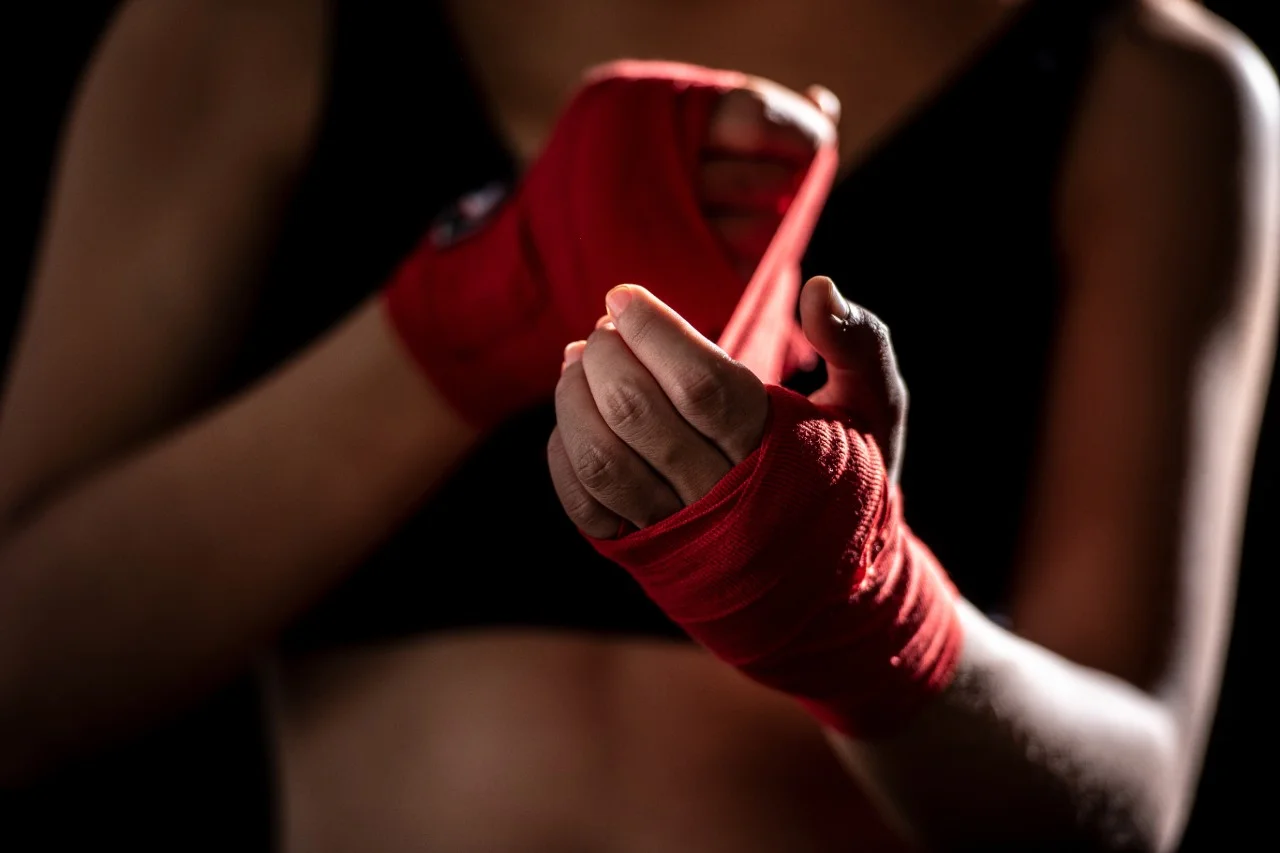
x=883, y=338
x=865, y=325
x=877, y=332
x=626, y=407
x=599, y=337
x=640, y=324
x=870, y=335
x=701, y=390
x=596, y=465
x=671, y=456
x=586, y=514
x=582, y=509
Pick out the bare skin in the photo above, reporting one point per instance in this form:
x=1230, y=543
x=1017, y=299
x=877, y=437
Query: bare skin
x=526, y=742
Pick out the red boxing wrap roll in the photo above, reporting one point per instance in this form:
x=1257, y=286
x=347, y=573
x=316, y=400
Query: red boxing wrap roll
x=611, y=200
x=798, y=569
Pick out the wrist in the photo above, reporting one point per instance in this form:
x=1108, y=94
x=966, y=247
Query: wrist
x=419, y=417
x=798, y=570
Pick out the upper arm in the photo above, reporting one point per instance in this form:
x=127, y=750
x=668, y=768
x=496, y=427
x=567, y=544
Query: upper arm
x=190, y=121
x=1170, y=219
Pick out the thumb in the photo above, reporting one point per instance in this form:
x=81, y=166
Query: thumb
x=863, y=380
x=853, y=341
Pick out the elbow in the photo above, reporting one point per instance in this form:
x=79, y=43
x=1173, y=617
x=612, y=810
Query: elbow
x=1149, y=814
x=1146, y=816
x=1156, y=830
x=1135, y=830
x=1121, y=829
x=1134, y=804
x=1133, y=788
x=1165, y=831
x=1131, y=820
x=1121, y=832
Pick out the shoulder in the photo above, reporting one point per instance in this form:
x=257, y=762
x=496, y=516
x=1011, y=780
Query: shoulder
x=1170, y=74
x=1176, y=60
x=1172, y=77
x=1178, y=129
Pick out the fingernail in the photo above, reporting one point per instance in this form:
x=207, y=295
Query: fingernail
x=839, y=307
x=573, y=352
x=603, y=321
x=618, y=299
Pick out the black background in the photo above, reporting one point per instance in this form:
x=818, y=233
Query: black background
x=198, y=783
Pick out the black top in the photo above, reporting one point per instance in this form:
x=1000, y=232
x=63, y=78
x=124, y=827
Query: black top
x=944, y=231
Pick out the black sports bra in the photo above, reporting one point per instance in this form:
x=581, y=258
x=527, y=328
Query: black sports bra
x=944, y=227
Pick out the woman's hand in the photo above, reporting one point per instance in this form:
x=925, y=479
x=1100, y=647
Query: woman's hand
x=650, y=414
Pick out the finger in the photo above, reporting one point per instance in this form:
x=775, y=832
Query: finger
x=826, y=101
x=611, y=472
x=634, y=406
x=747, y=185
x=572, y=353
x=766, y=121
x=721, y=398
x=788, y=108
x=588, y=514
x=853, y=341
x=863, y=376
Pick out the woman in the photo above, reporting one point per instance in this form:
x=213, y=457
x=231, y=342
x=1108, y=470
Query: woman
x=238, y=178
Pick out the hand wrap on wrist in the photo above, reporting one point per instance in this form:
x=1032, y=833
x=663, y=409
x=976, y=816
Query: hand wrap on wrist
x=611, y=200
x=798, y=569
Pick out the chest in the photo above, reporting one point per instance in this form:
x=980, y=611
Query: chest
x=878, y=58
x=944, y=228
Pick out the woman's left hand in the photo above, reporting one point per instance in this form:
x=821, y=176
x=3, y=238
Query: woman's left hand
x=650, y=414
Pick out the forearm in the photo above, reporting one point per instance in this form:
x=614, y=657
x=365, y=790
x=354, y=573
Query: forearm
x=153, y=578
x=1027, y=750
x=799, y=570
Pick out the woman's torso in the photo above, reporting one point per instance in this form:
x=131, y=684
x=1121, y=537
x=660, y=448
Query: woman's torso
x=486, y=682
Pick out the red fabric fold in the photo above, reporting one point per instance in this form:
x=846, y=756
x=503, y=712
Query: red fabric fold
x=798, y=569
x=611, y=200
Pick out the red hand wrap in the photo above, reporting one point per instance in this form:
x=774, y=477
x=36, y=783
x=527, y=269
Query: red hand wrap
x=610, y=201
x=798, y=569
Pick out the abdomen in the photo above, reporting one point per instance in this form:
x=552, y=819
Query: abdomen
x=537, y=741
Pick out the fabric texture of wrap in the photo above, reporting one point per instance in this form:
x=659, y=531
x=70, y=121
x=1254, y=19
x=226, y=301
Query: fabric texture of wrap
x=797, y=568
x=487, y=310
